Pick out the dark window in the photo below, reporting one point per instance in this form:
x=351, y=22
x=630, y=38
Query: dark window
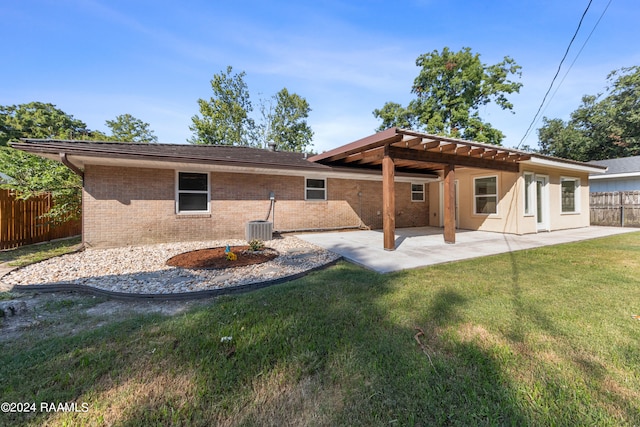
x=193, y=181
x=315, y=189
x=486, y=195
x=569, y=195
x=193, y=192
x=417, y=192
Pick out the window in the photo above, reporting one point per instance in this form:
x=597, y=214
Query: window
x=570, y=195
x=485, y=193
x=192, y=192
x=315, y=189
x=417, y=192
x=528, y=193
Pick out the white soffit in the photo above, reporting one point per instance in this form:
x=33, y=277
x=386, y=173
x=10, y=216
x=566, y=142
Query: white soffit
x=81, y=161
x=554, y=164
x=617, y=175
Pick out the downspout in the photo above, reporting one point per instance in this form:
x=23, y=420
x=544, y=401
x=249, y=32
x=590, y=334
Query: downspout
x=65, y=161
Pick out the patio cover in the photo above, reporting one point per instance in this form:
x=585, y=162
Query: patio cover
x=404, y=150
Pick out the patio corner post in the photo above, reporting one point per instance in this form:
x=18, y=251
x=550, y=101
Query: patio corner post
x=388, y=201
x=449, y=204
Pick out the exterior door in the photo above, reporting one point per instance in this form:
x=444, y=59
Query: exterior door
x=542, y=203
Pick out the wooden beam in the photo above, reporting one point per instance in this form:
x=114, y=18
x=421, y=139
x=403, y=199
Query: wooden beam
x=448, y=147
x=451, y=159
x=354, y=157
x=431, y=144
x=388, y=201
x=409, y=142
x=360, y=146
x=476, y=151
x=463, y=150
x=519, y=157
x=449, y=204
x=375, y=154
x=489, y=153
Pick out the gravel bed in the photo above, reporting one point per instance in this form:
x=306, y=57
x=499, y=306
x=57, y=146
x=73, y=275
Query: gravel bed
x=142, y=269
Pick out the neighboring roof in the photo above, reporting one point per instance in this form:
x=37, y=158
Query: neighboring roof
x=619, y=168
x=420, y=151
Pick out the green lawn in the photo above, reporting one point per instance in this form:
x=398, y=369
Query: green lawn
x=538, y=337
x=33, y=253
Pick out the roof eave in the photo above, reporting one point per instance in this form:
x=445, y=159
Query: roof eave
x=53, y=148
x=557, y=163
x=617, y=175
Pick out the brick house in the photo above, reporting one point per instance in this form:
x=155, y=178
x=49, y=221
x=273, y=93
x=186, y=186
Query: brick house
x=150, y=193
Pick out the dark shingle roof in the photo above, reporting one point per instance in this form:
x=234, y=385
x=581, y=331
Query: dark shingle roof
x=219, y=154
x=621, y=165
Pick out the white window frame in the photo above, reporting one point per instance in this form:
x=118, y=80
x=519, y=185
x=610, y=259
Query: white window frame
x=306, y=188
x=475, y=196
x=417, y=192
x=576, y=195
x=178, y=192
x=530, y=191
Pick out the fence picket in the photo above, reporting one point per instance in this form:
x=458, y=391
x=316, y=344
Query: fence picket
x=21, y=221
x=615, y=208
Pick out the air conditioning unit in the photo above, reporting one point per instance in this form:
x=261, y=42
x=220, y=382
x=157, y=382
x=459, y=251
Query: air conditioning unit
x=259, y=229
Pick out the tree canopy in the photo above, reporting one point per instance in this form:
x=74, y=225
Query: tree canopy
x=604, y=126
x=450, y=89
x=285, y=122
x=225, y=119
x=38, y=120
x=127, y=128
x=225, y=116
x=32, y=175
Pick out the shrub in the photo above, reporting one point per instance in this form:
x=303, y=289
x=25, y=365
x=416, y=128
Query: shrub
x=256, y=245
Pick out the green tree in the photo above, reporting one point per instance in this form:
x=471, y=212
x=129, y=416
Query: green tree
x=127, y=128
x=450, y=89
x=38, y=120
x=33, y=175
x=225, y=116
x=285, y=124
x=604, y=126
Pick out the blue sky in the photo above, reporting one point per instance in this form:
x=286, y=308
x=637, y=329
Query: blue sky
x=96, y=59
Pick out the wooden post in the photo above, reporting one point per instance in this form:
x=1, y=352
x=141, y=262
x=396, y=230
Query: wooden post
x=621, y=209
x=388, y=202
x=449, y=204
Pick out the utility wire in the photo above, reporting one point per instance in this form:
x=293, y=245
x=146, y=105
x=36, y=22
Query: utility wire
x=555, y=76
x=579, y=52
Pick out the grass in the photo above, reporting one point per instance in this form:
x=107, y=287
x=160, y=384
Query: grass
x=538, y=337
x=30, y=254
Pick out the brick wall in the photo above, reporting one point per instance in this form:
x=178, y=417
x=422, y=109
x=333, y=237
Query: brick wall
x=128, y=206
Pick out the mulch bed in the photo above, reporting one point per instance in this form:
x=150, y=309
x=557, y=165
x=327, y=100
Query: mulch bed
x=216, y=258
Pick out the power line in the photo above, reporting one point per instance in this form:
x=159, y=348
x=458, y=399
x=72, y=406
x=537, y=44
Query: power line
x=555, y=76
x=579, y=52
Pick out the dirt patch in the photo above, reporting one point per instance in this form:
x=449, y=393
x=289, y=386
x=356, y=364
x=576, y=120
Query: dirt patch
x=64, y=313
x=216, y=258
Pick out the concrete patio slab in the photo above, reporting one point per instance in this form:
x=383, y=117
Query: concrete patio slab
x=423, y=246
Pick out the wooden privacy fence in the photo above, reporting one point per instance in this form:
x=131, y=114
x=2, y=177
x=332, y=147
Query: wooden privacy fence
x=21, y=221
x=615, y=208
